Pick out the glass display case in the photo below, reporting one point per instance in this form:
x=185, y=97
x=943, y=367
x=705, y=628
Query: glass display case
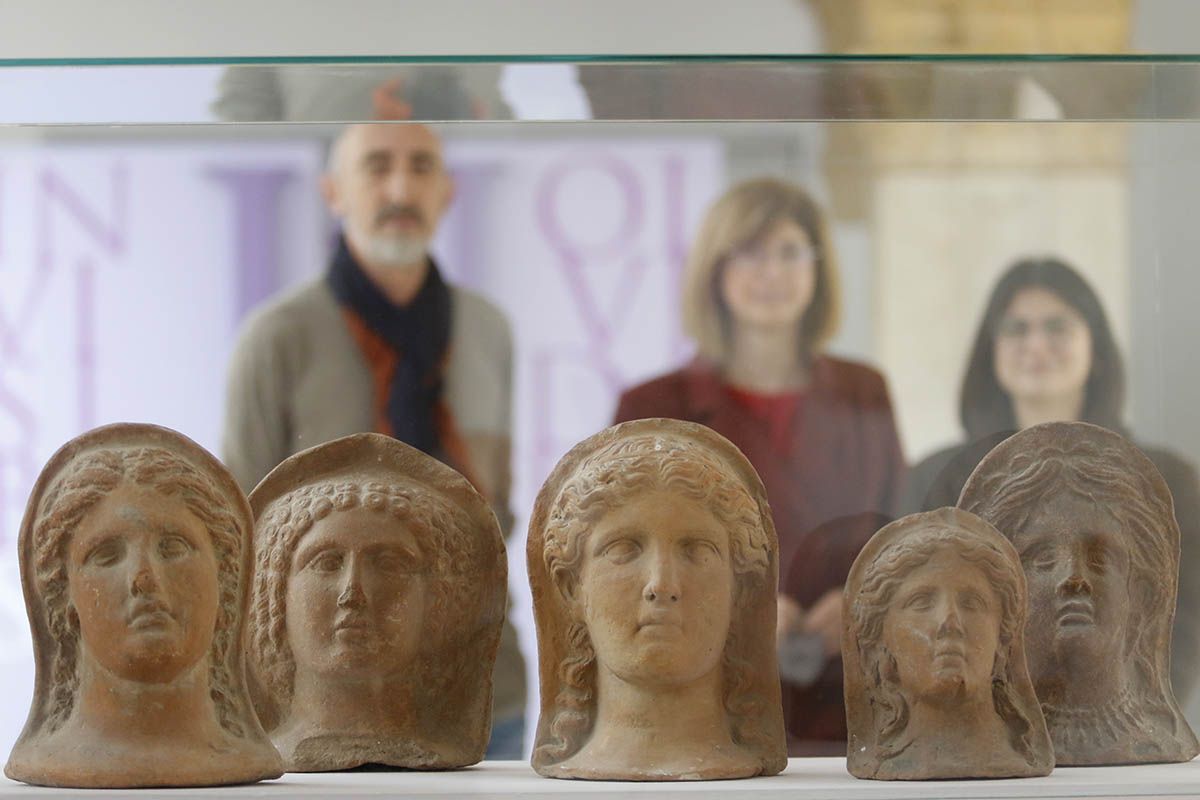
x=995, y=241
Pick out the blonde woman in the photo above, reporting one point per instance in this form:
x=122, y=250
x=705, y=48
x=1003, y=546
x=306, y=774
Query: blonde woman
x=761, y=301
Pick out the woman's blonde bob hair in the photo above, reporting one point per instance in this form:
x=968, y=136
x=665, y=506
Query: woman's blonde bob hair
x=747, y=212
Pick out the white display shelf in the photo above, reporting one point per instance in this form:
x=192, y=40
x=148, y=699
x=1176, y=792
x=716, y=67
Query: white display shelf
x=804, y=778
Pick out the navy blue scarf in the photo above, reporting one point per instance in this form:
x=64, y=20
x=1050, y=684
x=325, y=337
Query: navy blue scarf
x=420, y=334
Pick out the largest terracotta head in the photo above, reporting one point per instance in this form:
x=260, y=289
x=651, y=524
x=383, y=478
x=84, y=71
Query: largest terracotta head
x=1093, y=521
x=135, y=557
x=652, y=560
x=378, y=599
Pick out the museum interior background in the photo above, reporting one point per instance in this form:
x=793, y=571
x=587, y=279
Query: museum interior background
x=129, y=256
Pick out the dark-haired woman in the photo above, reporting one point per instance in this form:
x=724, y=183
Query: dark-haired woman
x=1044, y=352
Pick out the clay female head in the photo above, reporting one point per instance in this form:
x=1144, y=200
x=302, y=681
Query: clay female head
x=932, y=648
x=653, y=563
x=380, y=572
x=763, y=257
x=1093, y=521
x=135, y=550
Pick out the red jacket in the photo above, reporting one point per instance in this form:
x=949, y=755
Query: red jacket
x=843, y=460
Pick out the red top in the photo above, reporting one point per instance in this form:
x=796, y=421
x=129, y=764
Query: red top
x=780, y=413
x=827, y=453
x=838, y=454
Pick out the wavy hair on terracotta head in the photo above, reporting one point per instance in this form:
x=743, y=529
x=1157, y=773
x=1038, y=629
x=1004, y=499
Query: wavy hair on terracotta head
x=744, y=214
x=607, y=479
x=1010, y=492
x=78, y=489
x=984, y=407
x=869, y=609
x=442, y=534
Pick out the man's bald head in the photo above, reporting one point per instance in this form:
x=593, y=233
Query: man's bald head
x=353, y=138
x=389, y=186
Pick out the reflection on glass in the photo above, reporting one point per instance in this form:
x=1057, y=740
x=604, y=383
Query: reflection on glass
x=762, y=299
x=130, y=259
x=1045, y=351
x=1092, y=519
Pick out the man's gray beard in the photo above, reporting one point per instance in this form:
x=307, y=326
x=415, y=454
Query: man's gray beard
x=394, y=252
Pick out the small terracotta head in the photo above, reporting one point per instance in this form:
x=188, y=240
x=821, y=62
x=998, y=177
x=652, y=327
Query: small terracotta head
x=375, y=561
x=135, y=553
x=935, y=615
x=1094, y=524
x=652, y=556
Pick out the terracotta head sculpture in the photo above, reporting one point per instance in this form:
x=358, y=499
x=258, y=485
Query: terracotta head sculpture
x=378, y=598
x=135, y=560
x=1094, y=524
x=935, y=676
x=653, y=565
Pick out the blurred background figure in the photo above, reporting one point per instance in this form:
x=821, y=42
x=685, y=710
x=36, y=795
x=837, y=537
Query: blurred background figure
x=1044, y=352
x=318, y=93
x=381, y=342
x=761, y=300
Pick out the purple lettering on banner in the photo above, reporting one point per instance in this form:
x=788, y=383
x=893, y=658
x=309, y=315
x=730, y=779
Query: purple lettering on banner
x=468, y=222
x=256, y=217
x=573, y=255
x=85, y=341
x=600, y=321
x=591, y=370
x=111, y=236
x=19, y=423
x=545, y=446
x=676, y=244
x=105, y=226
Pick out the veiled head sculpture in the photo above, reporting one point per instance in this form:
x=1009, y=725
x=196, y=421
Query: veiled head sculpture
x=378, y=599
x=935, y=676
x=653, y=565
x=1095, y=527
x=135, y=561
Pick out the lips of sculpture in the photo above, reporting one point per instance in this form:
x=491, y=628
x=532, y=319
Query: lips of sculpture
x=143, y=581
x=1077, y=567
x=356, y=595
x=942, y=630
x=656, y=590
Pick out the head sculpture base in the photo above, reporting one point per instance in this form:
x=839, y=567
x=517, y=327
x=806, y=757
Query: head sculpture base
x=1094, y=523
x=935, y=678
x=378, y=602
x=652, y=562
x=135, y=561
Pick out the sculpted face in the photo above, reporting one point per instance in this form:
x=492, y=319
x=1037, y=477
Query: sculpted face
x=356, y=595
x=943, y=629
x=656, y=590
x=1077, y=566
x=143, y=581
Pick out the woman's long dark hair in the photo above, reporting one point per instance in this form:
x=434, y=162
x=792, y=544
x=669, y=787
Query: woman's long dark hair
x=985, y=408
